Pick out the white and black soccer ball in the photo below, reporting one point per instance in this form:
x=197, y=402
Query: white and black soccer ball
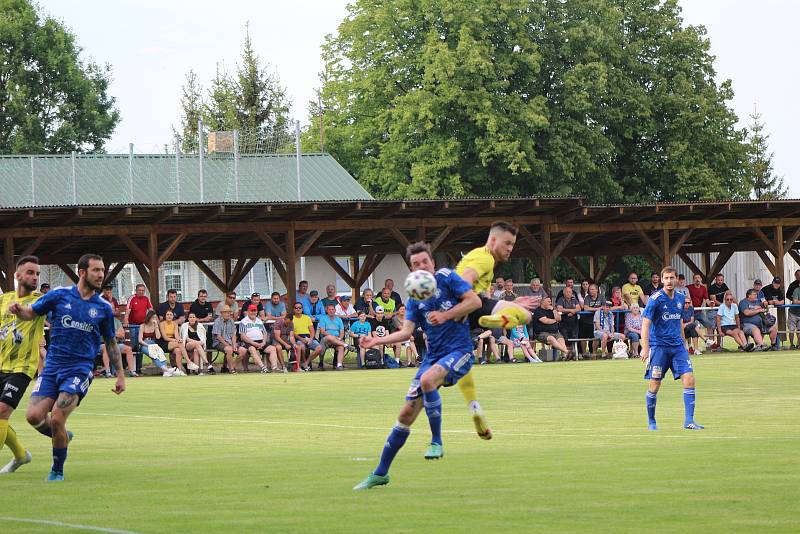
x=420, y=285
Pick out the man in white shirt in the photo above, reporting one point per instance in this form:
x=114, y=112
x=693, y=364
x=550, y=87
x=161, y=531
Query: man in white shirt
x=255, y=339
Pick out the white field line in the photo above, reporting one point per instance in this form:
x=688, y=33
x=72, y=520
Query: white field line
x=589, y=433
x=65, y=525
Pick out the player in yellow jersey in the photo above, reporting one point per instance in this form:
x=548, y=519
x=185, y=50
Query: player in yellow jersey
x=477, y=268
x=19, y=355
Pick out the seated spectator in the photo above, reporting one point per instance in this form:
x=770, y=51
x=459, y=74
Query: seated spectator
x=330, y=297
x=315, y=308
x=689, y=325
x=485, y=339
x=498, y=289
x=773, y=293
x=254, y=337
x=591, y=303
x=359, y=329
x=306, y=342
x=568, y=307
x=107, y=293
x=345, y=310
x=568, y=283
x=759, y=287
x=617, y=302
x=409, y=346
x=653, y=285
x=537, y=290
x=752, y=323
x=172, y=305
x=389, y=284
x=633, y=328
x=632, y=292
x=716, y=294
x=255, y=300
x=382, y=327
x=149, y=337
x=123, y=348
x=604, y=330
x=508, y=291
x=331, y=331
x=681, y=287
x=193, y=334
x=728, y=323
x=284, y=339
x=546, y=319
x=274, y=309
x=385, y=302
x=229, y=300
x=173, y=344
x=225, y=339
x=518, y=339
x=366, y=303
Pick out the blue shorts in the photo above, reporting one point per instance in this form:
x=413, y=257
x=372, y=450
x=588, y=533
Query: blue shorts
x=72, y=380
x=457, y=364
x=664, y=358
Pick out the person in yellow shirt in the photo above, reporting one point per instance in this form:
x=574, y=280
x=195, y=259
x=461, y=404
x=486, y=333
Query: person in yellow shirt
x=632, y=292
x=19, y=355
x=477, y=268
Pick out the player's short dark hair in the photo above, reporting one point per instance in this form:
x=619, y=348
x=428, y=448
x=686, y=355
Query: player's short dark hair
x=171, y=291
x=83, y=262
x=27, y=259
x=668, y=269
x=417, y=248
x=504, y=226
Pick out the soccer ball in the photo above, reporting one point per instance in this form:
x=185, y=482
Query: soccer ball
x=420, y=285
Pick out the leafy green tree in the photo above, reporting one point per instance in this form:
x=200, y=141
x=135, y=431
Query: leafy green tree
x=614, y=100
x=220, y=109
x=50, y=100
x=765, y=184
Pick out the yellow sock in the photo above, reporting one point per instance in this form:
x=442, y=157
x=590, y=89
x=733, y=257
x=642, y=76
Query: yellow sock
x=13, y=443
x=3, y=431
x=516, y=312
x=467, y=387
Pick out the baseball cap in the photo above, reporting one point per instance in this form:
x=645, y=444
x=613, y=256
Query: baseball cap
x=313, y=293
x=345, y=297
x=252, y=307
x=776, y=280
x=758, y=281
x=378, y=309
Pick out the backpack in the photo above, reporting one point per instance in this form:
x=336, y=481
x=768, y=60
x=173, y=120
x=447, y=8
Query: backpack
x=373, y=359
x=389, y=362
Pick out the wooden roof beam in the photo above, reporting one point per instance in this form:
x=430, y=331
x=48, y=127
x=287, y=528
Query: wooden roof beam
x=770, y=246
x=117, y=217
x=165, y=215
x=75, y=214
x=171, y=248
x=28, y=218
x=138, y=253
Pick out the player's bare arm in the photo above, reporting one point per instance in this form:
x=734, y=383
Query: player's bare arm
x=645, y=341
x=470, y=276
x=470, y=302
x=115, y=357
x=401, y=335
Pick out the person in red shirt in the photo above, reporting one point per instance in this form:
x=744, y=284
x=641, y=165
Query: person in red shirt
x=136, y=312
x=699, y=295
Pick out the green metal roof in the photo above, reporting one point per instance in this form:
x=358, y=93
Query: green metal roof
x=108, y=179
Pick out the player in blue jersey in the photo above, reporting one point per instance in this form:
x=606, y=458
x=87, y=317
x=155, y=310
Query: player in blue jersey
x=663, y=342
x=449, y=356
x=81, y=322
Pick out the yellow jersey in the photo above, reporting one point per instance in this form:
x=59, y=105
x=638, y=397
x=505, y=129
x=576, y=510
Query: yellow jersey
x=19, y=340
x=302, y=324
x=482, y=262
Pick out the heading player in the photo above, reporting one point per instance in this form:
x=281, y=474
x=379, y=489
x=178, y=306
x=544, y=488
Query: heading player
x=19, y=355
x=477, y=268
x=664, y=344
x=448, y=359
x=81, y=321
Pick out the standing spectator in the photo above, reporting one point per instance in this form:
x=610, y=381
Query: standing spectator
x=759, y=287
x=366, y=303
x=203, y=309
x=681, y=287
x=699, y=295
x=138, y=305
x=385, y=302
x=794, y=285
x=225, y=339
x=583, y=291
x=315, y=308
x=567, y=305
x=508, y=292
x=537, y=290
x=632, y=291
x=773, y=293
x=331, y=330
x=302, y=296
x=330, y=297
x=794, y=315
x=255, y=300
x=653, y=285
x=107, y=292
x=546, y=319
x=570, y=283
x=172, y=305
x=398, y=301
x=751, y=322
x=633, y=328
x=617, y=301
x=591, y=303
x=359, y=329
x=499, y=288
x=275, y=309
x=345, y=310
x=193, y=334
x=230, y=300
x=255, y=339
x=284, y=339
x=728, y=322
x=716, y=292
x=604, y=330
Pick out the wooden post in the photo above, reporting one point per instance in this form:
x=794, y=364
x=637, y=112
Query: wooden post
x=291, y=260
x=355, y=267
x=226, y=273
x=665, y=255
x=546, y=258
x=780, y=252
x=707, y=274
x=152, y=267
x=592, y=266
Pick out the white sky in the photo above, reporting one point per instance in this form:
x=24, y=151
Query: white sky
x=151, y=44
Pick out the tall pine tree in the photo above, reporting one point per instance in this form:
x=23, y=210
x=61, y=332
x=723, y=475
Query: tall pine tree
x=766, y=185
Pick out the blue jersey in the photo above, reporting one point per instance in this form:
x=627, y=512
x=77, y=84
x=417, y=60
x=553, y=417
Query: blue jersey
x=451, y=336
x=78, y=326
x=665, y=314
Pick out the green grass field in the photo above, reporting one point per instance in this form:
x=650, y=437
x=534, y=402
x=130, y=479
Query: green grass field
x=281, y=453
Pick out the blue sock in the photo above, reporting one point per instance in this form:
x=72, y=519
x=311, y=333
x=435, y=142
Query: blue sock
x=59, y=457
x=433, y=408
x=688, y=404
x=397, y=438
x=651, y=406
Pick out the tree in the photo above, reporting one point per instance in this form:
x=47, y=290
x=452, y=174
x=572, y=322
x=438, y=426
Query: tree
x=50, y=100
x=765, y=184
x=191, y=112
x=220, y=110
x=614, y=100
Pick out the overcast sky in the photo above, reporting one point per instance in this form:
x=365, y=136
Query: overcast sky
x=151, y=44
